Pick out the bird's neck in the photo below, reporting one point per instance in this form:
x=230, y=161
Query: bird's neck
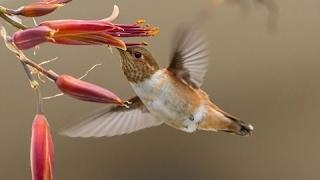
x=136, y=72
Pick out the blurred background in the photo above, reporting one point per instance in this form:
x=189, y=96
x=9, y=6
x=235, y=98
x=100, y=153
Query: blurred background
x=264, y=68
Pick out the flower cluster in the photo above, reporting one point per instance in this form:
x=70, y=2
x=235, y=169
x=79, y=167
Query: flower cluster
x=66, y=32
x=83, y=32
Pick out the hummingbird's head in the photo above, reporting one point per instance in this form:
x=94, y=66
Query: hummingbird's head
x=137, y=63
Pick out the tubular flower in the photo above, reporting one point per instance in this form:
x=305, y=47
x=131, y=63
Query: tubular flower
x=39, y=8
x=42, y=150
x=79, y=26
x=86, y=91
x=83, y=32
x=32, y=37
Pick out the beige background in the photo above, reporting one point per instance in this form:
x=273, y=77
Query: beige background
x=268, y=79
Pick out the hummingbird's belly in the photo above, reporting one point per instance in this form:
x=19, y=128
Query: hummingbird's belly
x=165, y=101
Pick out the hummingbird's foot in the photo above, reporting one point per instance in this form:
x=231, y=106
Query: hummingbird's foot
x=127, y=104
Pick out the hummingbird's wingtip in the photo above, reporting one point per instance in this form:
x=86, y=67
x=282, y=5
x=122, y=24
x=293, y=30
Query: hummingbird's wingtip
x=250, y=127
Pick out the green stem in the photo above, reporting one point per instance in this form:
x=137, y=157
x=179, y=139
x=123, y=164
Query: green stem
x=14, y=23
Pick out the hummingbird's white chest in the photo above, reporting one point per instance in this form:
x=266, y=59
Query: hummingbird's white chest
x=164, y=100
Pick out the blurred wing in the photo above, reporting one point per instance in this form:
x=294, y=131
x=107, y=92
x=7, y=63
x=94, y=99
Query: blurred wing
x=190, y=57
x=115, y=121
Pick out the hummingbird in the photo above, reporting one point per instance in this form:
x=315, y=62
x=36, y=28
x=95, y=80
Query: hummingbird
x=171, y=95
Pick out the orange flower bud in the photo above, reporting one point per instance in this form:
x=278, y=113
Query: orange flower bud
x=86, y=91
x=42, y=150
x=40, y=8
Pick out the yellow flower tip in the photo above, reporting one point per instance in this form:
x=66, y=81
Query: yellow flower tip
x=141, y=21
x=145, y=43
x=154, y=31
x=52, y=33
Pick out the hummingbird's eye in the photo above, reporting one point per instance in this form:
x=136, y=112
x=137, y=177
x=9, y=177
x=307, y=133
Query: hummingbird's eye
x=138, y=55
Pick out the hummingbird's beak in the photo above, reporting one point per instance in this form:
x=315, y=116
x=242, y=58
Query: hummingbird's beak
x=123, y=53
x=119, y=49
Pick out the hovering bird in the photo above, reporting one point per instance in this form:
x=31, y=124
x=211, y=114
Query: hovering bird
x=169, y=96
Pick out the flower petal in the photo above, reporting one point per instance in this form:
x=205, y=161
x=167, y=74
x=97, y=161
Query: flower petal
x=78, y=26
x=31, y=37
x=98, y=38
x=114, y=15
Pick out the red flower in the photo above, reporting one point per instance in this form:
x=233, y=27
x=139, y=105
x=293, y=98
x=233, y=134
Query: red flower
x=86, y=91
x=79, y=26
x=42, y=151
x=39, y=8
x=83, y=32
x=32, y=37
